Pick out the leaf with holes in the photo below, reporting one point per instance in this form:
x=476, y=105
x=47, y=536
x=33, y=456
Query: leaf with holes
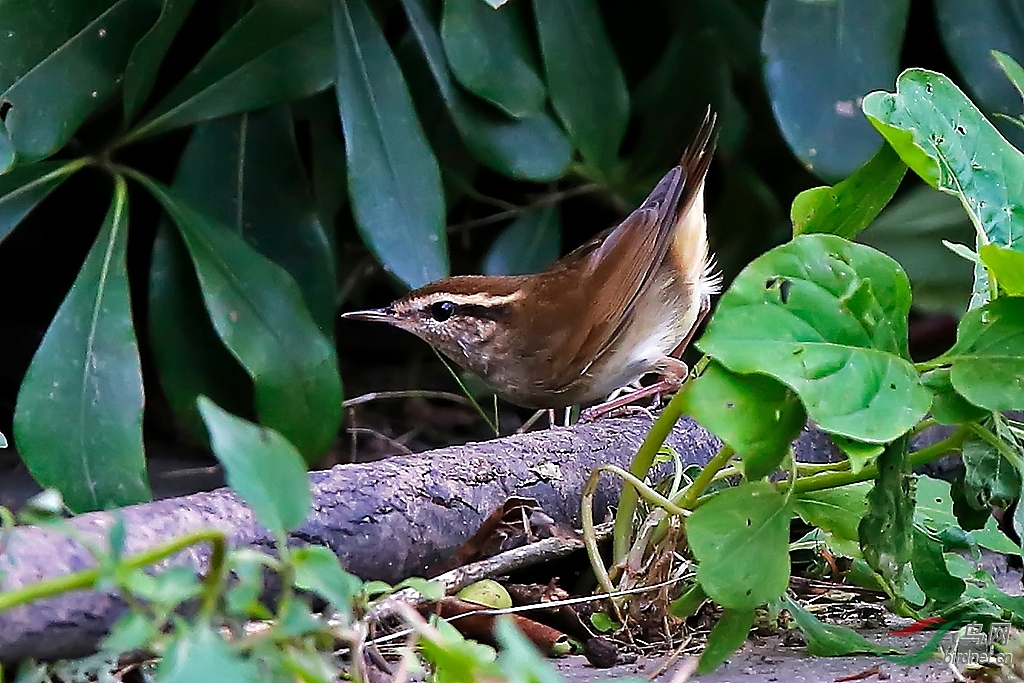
x=87, y=371
x=885, y=531
x=827, y=318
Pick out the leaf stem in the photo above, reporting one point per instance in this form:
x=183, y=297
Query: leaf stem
x=706, y=476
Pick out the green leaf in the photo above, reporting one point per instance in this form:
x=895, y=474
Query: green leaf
x=827, y=318
x=727, y=636
x=886, y=531
x=585, y=81
x=24, y=187
x=912, y=230
x=490, y=55
x=529, y=245
x=934, y=512
x=261, y=467
x=828, y=640
x=199, y=653
x=78, y=421
x=317, y=569
x=456, y=659
x=246, y=172
x=8, y=155
x=257, y=310
x=754, y=414
x=837, y=511
x=519, y=660
x=987, y=361
x=1007, y=265
x=859, y=454
x=989, y=478
x=749, y=520
x=949, y=407
x=144, y=62
x=532, y=148
x=61, y=60
x=852, y=204
x=930, y=570
x=943, y=137
x=394, y=181
x=687, y=604
x=820, y=59
x=1012, y=69
x=279, y=51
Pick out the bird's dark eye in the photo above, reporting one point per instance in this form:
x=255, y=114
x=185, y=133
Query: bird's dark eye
x=442, y=310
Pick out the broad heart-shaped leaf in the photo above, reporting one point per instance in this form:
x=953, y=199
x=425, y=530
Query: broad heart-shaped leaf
x=61, y=60
x=261, y=467
x=246, y=172
x=490, y=55
x=189, y=356
x=585, y=81
x=827, y=318
x=849, y=206
x=257, y=310
x=78, y=422
x=532, y=148
x=394, y=180
x=821, y=59
x=529, y=245
x=971, y=32
x=279, y=51
x=837, y=511
x=1007, y=265
x=943, y=137
x=24, y=187
x=200, y=653
x=754, y=414
x=728, y=635
x=885, y=531
x=145, y=59
x=987, y=361
x=749, y=520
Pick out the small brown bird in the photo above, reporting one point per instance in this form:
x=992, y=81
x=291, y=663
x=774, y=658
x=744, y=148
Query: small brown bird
x=622, y=305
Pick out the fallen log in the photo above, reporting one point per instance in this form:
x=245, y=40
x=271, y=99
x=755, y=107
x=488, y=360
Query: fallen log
x=385, y=520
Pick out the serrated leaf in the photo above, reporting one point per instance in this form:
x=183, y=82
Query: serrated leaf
x=828, y=318
x=749, y=520
x=1007, y=265
x=754, y=414
x=144, y=63
x=24, y=187
x=490, y=56
x=532, y=148
x=279, y=51
x=258, y=312
x=261, y=467
x=820, y=59
x=987, y=361
x=726, y=637
x=394, y=180
x=87, y=371
x=585, y=82
x=60, y=61
x=529, y=245
x=851, y=205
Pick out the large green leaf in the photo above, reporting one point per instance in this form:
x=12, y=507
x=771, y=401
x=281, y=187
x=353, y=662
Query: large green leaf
x=821, y=58
x=532, y=148
x=1007, y=265
x=258, y=312
x=529, y=245
x=24, y=187
x=828, y=318
x=279, y=51
x=754, y=414
x=749, y=520
x=585, y=81
x=852, y=204
x=78, y=422
x=490, y=55
x=261, y=467
x=61, y=60
x=144, y=62
x=394, y=181
x=987, y=361
x=246, y=172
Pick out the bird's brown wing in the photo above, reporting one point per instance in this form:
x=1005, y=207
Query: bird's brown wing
x=621, y=265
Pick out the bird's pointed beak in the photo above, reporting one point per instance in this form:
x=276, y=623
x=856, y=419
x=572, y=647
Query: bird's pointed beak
x=383, y=315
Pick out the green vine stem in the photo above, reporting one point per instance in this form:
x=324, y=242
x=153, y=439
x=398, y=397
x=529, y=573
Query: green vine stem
x=706, y=476
x=87, y=578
